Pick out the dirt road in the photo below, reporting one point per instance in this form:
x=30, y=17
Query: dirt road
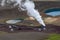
x=30, y=35
x=24, y=36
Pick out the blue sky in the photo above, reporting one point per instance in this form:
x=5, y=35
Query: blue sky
x=54, y=13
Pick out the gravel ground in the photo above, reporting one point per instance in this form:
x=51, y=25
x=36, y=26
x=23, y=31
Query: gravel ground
x=24, y=36
x=27, y=35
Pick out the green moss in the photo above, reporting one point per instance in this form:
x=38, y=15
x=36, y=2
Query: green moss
x=19, y=19
x=54, y=37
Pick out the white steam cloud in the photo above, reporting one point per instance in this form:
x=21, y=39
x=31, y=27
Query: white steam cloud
x=29, y=6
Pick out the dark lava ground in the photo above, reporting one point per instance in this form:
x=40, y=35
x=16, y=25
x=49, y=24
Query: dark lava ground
x=22, y=28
